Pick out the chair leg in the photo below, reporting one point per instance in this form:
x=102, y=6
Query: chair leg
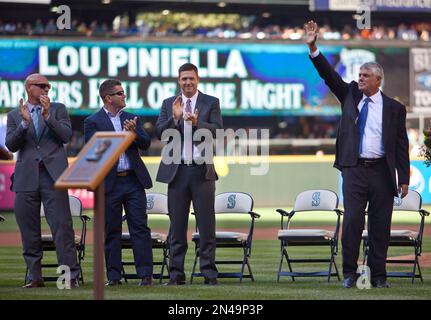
x=420, y=272
x=330, y=264
x=280, y=265
x=162, y=271
x=81, y=274
x=416, y=263
x=194, y=265
x=365, y=250
x=336, y=269
x=289, y=265
x=244, y=262
x=249, y=271
x=123, y=271
x=26, y=275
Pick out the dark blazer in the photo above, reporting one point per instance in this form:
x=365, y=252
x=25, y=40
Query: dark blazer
x=395, y=141
x=209, y=117
x=100, y=122
x=49, y=148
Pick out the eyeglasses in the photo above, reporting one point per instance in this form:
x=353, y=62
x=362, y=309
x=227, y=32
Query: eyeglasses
x=119, y=93
x=42, y=86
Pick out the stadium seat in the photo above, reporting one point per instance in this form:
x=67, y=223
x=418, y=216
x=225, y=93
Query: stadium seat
x=157, y=205
x=234, y=204
x=308, y=202
x=410, y=204
x=80, y=235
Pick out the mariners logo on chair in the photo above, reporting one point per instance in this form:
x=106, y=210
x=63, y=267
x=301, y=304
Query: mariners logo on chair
x=150, y=202
x=231, y=201
x=397, y=201
x=315, y=199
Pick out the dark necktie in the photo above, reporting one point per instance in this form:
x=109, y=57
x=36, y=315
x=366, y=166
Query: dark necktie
x=35, y=115
x=362, y=120
x=189, y=106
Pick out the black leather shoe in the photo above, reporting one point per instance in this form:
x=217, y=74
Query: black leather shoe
x=173, y=282
x=146, y=281
x=211, y=282
x=113, y=283
x=349, y=282
x=380, y=283
x=34, y=284
x=74, y=283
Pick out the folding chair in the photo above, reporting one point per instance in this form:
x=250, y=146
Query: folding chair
x=157, y=205
x=412, y=203
x=231, y=203
x=310, y=201
x=80, y=236
x=2, y=219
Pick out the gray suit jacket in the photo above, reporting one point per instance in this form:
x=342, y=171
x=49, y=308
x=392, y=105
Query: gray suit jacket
x=56, y=131
x=209, y=117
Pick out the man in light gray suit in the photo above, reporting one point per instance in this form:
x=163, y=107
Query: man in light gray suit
x=37, y=130
x=192, y=178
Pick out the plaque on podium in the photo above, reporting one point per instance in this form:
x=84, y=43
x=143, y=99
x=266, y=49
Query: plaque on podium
x=88, y=171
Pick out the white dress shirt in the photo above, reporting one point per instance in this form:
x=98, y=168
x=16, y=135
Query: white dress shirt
x=188, y=132
x=372, y=143
x=123, y=161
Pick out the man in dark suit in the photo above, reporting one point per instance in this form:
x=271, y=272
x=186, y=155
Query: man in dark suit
x=124, y=186
x=37, y=130
x=190, y=177
x=371, y=151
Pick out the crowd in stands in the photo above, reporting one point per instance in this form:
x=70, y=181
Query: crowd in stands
x=410, y=32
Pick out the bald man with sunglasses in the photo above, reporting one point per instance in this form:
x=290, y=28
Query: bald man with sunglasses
x=38, y=130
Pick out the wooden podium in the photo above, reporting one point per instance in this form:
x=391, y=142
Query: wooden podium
x=88, y=172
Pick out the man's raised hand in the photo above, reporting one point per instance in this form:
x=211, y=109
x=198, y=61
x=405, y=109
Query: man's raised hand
x=23, y=111
x=312, y=31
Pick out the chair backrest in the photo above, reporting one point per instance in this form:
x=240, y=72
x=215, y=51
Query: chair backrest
x=316, y=200
x=411, y=202
x=75, y=207
x=157, y=203
x=233, y=202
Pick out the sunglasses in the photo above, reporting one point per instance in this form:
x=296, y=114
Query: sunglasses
x=119, y=93
x=42, y=85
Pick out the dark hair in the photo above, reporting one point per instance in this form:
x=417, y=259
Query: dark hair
x=107, y=87
x=188, y=67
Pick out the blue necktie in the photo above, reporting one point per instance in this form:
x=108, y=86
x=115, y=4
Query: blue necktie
x=35, y=116
x=362, y=120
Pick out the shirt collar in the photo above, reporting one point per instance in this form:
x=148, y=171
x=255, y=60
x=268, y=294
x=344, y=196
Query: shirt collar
x=193, y=99
x=109, y=113
x=375, y=98
x=31, y=107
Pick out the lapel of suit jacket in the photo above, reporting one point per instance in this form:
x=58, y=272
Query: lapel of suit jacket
x=386, y=117
x=357, y=98
x=123, y=117
x=105, y=121
x=200, y=103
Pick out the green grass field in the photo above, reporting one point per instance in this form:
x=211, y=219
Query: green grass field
x=264, y=262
